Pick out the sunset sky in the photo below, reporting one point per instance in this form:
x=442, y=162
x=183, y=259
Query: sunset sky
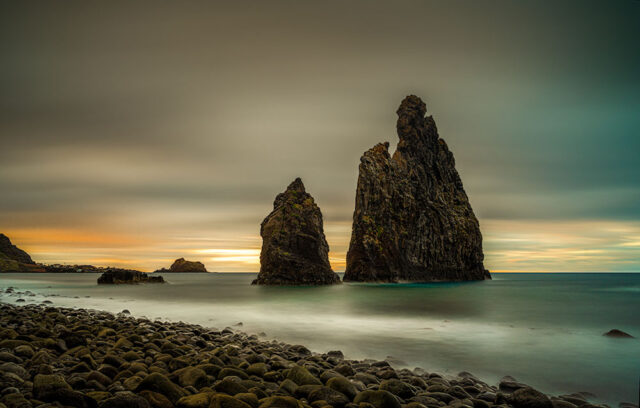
x=134, y=133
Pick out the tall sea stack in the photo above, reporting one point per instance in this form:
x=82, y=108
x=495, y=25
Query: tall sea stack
x=294, y=248
x=413, y=220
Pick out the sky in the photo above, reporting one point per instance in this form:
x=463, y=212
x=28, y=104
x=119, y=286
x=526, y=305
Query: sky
x=134, y=133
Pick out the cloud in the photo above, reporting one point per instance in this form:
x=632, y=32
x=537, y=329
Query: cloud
x=184, y=121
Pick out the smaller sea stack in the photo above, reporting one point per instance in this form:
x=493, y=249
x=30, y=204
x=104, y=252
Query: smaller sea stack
x=294, y=248
x=127, y=276
x=181, y=265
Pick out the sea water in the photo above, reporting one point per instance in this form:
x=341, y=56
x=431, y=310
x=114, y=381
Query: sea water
x=543, y=329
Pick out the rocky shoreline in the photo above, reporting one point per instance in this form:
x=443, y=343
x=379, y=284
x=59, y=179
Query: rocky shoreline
x=52, y=357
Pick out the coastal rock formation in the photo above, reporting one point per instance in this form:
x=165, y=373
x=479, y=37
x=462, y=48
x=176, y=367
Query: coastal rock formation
x=13, y=252
x=294, y=248
x=413, y=220
x=618, y=334
x=120, y=276
x=14, y=259
x=180, y=265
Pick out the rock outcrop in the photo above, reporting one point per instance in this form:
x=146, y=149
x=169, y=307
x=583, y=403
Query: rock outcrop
x=181, y=265
x=413, y=220
x=618, y=334
x=294, y=248
x=14, y=259
x=127, y=276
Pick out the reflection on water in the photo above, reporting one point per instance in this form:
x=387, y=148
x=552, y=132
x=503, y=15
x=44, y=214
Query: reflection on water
x=543, y=329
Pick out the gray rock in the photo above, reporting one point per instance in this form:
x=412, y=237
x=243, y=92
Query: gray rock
x=125, y=400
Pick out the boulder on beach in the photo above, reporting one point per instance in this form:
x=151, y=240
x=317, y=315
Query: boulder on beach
x=618, y=334
x=14, y=259
x=412, y=218
x=182, y=265
x=127, y=276
x=67, y=357
x=294, y=248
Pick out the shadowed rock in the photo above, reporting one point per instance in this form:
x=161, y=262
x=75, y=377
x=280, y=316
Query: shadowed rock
x=413, y=220
x=13, y=252
x=14, y=259
x=294, y=248
x=618, y=334
x=127, y=276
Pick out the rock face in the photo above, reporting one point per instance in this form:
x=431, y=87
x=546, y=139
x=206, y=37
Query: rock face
x=120, y=276
x=14, y=259
x=413, y=220
x=13, y=252
x=618, y=334
x=180, y=265
x=294, y=248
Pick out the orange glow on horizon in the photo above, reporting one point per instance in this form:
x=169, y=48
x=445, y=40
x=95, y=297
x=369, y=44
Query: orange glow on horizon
x=511, y=246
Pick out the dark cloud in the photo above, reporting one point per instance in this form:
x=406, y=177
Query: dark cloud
x=199, y=113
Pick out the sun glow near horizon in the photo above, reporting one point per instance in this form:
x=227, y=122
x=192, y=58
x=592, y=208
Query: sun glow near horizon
x=509, y=246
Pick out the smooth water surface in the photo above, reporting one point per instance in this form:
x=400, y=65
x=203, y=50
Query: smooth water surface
x=543, y=329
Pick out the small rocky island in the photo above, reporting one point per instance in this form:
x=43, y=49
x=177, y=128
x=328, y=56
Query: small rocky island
x=181, y=265
x=294, y=248
x=14, y=259
x=412, y=219
x=127, y=276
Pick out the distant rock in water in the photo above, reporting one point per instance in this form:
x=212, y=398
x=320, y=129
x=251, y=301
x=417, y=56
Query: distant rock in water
x=127, y=276
x=618, y=334
x=413, y=220
x=14, y=259
x=180, y=265
x=294, y=248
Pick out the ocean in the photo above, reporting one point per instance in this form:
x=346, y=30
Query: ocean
x=543, y=329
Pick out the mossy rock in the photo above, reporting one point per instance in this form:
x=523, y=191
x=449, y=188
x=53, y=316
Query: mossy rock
x=280, y=402
x=156, y=400
x=343, y=385
x=397, y=387
x=257, y=369
x=229, y=386
x=157, y=382
x=45, y=386
x=192, y=376
x=200, y=400
x=225, y=401
x=232, y=372
x=302, y=376
x=125, y=400
x=248, y=398
x=379, y=399
x=332, y=397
